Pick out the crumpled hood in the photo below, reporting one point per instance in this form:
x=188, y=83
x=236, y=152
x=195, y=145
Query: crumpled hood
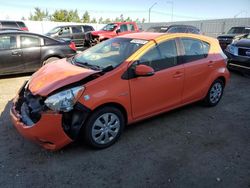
x=56, y=75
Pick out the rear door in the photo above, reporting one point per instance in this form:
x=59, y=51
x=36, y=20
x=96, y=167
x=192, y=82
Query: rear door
x=31, y=51
x=77, y=35
x=198, y=68
x=163, y=90
x=11, y=56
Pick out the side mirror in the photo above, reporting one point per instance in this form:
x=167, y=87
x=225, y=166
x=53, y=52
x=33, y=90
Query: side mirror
x=144, y=70
x=60, y=32
x=118, y=31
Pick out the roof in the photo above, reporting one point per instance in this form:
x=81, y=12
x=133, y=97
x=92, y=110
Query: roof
x=174, y=25
x=22, y=32
x=154, y=36
x=143, y=35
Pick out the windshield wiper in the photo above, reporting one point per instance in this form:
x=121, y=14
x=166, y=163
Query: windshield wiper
x=108, y=68
x=87, y=65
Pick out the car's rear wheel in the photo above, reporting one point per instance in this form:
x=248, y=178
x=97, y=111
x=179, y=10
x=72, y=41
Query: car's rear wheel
x=214, y=93
x=104, y=127
x=49, y=60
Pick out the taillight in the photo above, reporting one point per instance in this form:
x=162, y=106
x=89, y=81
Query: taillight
x=72, y=46
x=24, y=28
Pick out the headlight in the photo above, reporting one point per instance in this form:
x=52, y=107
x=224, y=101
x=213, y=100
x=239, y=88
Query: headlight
x=232, y=49
x=64, y=100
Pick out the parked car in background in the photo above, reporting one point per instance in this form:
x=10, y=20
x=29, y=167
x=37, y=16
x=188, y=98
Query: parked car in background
x=239, y=55
x=235, y=33
x=23, y=52
x=74, y=32
x=117, y=82
x=174, y=29
x=109, y=31
x=10, y=25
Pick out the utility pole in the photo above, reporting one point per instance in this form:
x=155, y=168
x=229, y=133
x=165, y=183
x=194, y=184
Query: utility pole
x=149, y=11
x=172, y=11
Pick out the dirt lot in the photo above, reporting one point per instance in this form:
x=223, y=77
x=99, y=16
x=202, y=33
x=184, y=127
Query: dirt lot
x=190, y=147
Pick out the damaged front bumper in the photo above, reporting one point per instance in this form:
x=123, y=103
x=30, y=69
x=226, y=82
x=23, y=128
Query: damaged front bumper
x=49, y=129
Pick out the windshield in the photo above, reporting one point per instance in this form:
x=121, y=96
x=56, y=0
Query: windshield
x=109, y=27
x=54, y=30
x=238, y=30
x=108, y=54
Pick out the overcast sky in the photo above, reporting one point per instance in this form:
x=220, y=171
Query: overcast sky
x=182, y=9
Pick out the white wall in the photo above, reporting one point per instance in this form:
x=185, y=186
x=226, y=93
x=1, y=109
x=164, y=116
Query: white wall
x=43, y=27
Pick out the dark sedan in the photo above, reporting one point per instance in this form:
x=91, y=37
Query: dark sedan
x=23, y=52
x=239, y=55
x=174, y=29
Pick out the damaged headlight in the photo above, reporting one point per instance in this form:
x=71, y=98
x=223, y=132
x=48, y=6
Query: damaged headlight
x=64, y=100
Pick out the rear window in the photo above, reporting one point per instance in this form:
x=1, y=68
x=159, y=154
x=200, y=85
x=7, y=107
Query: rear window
x=7, y=42
x=76, y=29
x=88, y=28
x=194, y=49
x=9, y=24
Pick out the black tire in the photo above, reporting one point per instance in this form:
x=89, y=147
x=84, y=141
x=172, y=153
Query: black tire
x=49, y=60
x=210, y=100
x=91, y=125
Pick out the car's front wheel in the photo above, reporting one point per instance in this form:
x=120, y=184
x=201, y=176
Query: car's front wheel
x=104, y=127
x=214, y=93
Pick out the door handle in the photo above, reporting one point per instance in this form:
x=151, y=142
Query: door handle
x=210, y=63
x=178, y=74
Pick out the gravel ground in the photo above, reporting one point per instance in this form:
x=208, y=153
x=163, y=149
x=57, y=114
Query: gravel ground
x=193, y=146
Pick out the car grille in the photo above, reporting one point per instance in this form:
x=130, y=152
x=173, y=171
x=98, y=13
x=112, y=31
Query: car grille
x=225, y=40
x=244, y=52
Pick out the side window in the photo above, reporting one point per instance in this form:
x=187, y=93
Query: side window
x=194, y=49
x=48, y=41
x=131, y=27
x=76, y=29
x=177, y=30
x=29, y=41
x=88, y=28
x=9, y=24
x=7, y=42
x=161, y=56
x=193, y=30
x=64, y=31
x=123, y=28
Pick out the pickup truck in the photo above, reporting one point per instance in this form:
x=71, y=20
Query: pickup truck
x=109, y=31
x=235, y=33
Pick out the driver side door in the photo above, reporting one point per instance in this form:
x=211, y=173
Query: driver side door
x=153, y=94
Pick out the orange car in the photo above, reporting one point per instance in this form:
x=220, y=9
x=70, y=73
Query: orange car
x=118, y=82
